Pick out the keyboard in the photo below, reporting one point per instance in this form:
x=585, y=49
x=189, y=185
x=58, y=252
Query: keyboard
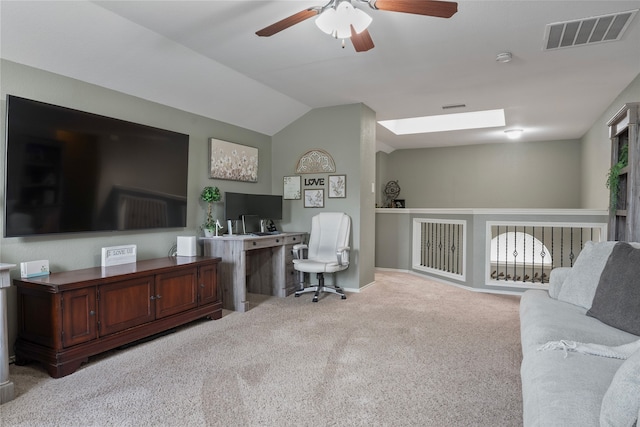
x=264, y=233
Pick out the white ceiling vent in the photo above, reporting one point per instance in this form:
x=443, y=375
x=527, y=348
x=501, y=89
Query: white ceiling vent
x=596, y=29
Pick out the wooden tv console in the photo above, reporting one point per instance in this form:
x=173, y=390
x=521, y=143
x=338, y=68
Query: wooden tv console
x=64, y=318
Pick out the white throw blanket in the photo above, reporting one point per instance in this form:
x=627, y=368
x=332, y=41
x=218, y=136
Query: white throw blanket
x=620, y=352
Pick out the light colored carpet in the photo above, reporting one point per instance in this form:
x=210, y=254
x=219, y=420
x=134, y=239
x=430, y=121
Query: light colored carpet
x=403, y=352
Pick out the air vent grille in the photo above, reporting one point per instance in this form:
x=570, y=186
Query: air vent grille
x=597, y=29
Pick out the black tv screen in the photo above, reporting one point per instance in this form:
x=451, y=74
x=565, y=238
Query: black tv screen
x=72, y=171
x=265, y=206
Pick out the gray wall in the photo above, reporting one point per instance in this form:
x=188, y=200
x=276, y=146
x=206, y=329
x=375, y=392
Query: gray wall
x=501, y=175
x=73, y=251
x=550, y=174
x=347, y=133
x=596, y=151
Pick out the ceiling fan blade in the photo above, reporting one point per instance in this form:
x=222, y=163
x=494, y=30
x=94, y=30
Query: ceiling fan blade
x=362, y=42
x=440, y=9
x=287, y=22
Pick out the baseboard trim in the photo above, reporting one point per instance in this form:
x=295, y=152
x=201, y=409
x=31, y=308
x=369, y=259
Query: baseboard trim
x=358, y=290
x=457, y=285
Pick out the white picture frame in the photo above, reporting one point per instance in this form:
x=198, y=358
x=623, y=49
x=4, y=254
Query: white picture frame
x=314, y=198
x=337, y=186
x=291, y=187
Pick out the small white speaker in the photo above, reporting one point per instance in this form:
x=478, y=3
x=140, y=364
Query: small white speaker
x=34, y=268
x=186, y=246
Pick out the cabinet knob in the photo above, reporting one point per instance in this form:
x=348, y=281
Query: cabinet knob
x=92, y=313
x=152, y=297
x=277, y=240
x=254, y=243
x=202, y=285
x=158, y=296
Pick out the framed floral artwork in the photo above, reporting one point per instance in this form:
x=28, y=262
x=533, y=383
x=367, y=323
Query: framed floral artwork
x=292, y=188
x=337, y=186
x=236, y=162
x=314, y=198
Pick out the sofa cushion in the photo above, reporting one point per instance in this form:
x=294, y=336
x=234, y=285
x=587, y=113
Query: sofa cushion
x=580, y=285
x=559, y=391
x=544, y=319
x=621, y=402
x=617, y=298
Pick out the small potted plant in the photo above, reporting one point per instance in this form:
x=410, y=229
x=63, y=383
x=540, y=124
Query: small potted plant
x=210, y=195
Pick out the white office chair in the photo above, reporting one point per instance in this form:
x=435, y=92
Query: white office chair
x=327, y=252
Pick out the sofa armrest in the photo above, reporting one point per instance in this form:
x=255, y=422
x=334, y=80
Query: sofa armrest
x=556, y=279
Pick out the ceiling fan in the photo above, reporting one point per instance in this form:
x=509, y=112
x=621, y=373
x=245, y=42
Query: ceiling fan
x=341, y=20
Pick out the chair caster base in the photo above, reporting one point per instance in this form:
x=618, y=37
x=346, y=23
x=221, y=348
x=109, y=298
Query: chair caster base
x=344, y=297
x=315, y=299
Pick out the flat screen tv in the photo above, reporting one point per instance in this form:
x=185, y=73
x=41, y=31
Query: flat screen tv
x=265, y=206
x=71, y=171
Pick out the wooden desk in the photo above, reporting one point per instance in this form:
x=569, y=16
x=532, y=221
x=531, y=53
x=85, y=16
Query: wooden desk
x=255, y=264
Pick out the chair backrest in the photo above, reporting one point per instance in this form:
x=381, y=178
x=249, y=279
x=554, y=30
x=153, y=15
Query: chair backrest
x=329, y=231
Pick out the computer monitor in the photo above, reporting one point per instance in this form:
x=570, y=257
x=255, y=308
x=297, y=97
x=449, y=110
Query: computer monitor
x=265, y=206
x=250, y=224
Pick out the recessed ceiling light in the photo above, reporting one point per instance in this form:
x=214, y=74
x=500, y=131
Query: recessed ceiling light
x=446, y=122
x=514, y=133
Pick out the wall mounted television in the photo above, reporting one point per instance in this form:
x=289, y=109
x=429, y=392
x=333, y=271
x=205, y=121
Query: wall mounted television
x=265, y=206
x=72, y=171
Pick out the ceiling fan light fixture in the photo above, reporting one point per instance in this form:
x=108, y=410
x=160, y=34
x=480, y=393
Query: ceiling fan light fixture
x=338, y=21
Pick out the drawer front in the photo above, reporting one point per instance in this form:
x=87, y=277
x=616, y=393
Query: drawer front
x=294, y=240
x=263, y=242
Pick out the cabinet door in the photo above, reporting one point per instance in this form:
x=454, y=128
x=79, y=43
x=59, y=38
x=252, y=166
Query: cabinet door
x=78, y=316
x=176, y=291
x=126, y=304
x=208, y=284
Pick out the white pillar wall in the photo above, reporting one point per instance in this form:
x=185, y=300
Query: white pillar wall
x=7, y=392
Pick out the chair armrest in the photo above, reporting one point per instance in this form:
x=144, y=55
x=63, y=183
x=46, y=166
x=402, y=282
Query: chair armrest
x=343, y=255
x=298, y=250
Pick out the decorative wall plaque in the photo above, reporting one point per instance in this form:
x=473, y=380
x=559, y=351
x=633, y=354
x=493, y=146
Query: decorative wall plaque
x=316, y=161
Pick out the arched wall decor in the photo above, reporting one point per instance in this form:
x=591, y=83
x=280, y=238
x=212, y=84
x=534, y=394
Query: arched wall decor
x=316, y=161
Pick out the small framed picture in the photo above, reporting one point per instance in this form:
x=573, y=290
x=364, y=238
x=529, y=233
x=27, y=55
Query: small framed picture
x=398, y=203
x=337, y=186
x=292, y=188
x=314, y=198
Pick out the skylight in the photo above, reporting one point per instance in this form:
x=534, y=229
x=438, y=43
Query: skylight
x=446, y=122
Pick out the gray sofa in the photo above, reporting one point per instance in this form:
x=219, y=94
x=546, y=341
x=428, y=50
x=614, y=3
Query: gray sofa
x=578, y=369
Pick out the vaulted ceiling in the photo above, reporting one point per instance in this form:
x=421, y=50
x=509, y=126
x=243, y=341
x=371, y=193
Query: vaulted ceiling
x=204, y=57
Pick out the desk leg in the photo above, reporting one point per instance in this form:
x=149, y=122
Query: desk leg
x=240, y=301
x=278, y=279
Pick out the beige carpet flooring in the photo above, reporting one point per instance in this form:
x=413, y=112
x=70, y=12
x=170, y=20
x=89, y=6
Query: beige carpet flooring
x=403, y=352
